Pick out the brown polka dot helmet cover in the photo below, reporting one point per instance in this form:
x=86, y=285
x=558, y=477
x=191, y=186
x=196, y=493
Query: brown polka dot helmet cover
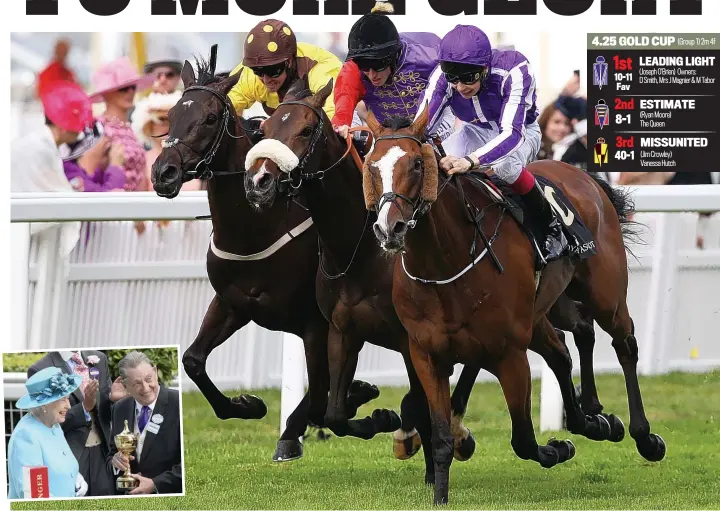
x=269, y=43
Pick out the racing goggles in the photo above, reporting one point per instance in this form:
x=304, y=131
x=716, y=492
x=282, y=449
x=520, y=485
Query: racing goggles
x=466, y=78
x=270, y=71
x=378, y=66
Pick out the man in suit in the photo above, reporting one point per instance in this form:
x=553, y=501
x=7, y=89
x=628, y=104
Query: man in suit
x=153, y=413
x=87, y=423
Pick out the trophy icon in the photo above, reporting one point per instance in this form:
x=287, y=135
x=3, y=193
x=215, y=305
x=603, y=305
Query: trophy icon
x=126, y=443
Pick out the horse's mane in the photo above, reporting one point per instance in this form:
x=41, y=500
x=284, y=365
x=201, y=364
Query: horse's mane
x=205, y=75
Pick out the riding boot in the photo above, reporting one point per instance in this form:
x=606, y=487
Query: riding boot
x=550, y=236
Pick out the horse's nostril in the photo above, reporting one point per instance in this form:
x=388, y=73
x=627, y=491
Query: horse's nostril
x=169, y=174
x=264, y=182
x=379, y=234
x=399, y=228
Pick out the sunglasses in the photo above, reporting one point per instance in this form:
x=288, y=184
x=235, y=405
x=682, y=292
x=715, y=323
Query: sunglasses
x=270, y=71
x=167, y=74
x=375, y=65
x=128, y=88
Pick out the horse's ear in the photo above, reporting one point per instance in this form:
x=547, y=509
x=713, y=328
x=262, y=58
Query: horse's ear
x=418, y=126
x=231, y=81
x=373, y=123
x=188, y=75
x=319, y=99
x=298, y=86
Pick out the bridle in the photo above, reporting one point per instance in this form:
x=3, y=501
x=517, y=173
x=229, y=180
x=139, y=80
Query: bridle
x=287, y=185
x=202, y=170
x=419, y=205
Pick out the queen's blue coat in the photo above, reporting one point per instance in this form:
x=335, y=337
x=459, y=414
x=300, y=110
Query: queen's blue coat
x=32, y=443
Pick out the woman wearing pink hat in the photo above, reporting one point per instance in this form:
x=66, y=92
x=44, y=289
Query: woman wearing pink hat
x=115, y=83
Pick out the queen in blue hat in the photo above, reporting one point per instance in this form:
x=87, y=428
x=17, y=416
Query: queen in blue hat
x=38, y=438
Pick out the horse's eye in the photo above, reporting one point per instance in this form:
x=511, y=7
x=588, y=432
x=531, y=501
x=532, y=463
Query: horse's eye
x=306, y=132
x=212, y=119
x=419, y=165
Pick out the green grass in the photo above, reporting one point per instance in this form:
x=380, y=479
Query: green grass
x=228, y=463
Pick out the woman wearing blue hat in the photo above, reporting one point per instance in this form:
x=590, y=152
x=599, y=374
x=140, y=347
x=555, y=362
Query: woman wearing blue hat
x=38, y=439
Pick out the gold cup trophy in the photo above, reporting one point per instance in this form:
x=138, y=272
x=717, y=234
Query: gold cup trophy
x=126, y=443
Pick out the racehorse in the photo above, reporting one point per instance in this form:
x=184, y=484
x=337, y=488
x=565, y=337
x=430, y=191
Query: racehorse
x=261, y=266
x=354, y=278
x=493, y=313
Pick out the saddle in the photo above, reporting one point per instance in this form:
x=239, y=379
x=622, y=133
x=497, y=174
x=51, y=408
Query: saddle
x=580, y=243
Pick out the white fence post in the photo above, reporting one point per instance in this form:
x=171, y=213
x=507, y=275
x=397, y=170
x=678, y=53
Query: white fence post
x=660, y=296
x=551, y=402
x=293, y=377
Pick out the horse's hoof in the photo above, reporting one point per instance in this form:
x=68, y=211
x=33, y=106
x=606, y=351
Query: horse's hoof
x=406, y=445
x=652, y=447
x=617, y=428
x=565, y=449
x=288, y=450
x=386, y=421
x=599, y=428
x=464, y=448
x=429, y=478
x=248, y=406
x=362, y=392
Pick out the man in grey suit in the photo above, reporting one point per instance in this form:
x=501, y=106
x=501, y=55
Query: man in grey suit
x=87, y=423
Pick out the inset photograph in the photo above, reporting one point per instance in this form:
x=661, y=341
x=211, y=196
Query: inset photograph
x=93, y=423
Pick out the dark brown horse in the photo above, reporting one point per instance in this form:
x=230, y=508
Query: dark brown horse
x=258, y=274
x=486, y=317
x=354, y=279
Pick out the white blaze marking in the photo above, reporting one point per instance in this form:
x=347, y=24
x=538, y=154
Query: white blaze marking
x=386, y=165
x=260, y=174
x=188, y=103
x=284, y=117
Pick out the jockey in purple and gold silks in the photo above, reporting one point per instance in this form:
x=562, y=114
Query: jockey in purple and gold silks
x=386, y=70
x=493, y=93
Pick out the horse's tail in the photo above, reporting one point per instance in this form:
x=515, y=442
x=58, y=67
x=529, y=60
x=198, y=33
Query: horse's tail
x=621, y=200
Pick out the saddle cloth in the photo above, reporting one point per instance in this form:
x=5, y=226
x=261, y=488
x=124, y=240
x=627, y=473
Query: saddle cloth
x=580, y=241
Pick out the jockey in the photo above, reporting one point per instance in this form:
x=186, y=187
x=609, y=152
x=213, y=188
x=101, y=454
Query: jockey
x=493, y=92
x=388, y=71
x=275, y=60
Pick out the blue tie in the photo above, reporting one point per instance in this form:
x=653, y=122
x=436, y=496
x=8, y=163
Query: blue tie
x=144, y=416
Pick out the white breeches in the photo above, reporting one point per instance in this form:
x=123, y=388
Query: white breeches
x=469, y=138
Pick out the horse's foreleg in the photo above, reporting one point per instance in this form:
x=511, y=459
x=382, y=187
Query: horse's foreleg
x=219, y=323
x=314, y=403
x=513, y=372
x=464, y=439
x=343, y=357
x=546, y=342
x=435, y=379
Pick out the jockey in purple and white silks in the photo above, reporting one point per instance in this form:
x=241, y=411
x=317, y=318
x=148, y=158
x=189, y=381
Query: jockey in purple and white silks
x=493, y=93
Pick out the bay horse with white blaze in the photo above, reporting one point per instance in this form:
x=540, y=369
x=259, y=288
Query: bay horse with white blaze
x=261, y=266
x=490, y=317
x=355, y=278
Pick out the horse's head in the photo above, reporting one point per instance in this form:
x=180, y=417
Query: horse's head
x=275, y=165
x=400, y=177
x=198, y=125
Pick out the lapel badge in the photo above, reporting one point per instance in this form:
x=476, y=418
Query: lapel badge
x=157, y=419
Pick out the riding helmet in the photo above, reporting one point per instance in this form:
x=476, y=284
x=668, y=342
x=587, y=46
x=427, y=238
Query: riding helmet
x=374, y=36
x=466, y=49
x=269, y=42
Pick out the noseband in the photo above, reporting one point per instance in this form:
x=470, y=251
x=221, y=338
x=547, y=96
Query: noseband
x=202, y=169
